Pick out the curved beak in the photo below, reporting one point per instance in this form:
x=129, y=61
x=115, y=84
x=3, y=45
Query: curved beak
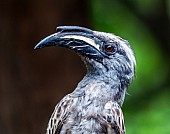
x=79, y=39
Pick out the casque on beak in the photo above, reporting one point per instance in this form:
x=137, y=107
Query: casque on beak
x=79, y=39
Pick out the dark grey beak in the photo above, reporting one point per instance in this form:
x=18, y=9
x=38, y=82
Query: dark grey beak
x=76, y=38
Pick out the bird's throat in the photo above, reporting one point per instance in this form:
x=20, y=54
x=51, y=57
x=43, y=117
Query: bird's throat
x=101, y=87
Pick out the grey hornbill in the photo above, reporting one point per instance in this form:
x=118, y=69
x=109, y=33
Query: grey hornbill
x=94, y=107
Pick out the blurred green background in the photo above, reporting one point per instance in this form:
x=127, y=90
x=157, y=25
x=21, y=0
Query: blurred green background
x=147, y=107
x=32, y=82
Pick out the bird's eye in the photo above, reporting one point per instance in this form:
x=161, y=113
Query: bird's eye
x=110, y=49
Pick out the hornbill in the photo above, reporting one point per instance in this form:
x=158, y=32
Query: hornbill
x=94, y=107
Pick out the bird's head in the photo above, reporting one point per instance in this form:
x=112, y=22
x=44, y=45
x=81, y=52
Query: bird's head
x=105, y=54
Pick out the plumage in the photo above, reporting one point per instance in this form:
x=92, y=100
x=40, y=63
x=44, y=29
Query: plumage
x=94, y=107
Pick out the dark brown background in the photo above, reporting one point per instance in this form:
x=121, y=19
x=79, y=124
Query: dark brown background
x=32, y=82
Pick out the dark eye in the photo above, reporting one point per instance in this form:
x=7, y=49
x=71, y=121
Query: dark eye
x=110, y=48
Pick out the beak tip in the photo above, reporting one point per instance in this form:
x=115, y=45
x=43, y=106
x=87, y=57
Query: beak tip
x=35, y=47
x=39, y=45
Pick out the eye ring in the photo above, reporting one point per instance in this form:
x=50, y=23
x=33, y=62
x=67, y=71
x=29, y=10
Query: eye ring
x=110, y=48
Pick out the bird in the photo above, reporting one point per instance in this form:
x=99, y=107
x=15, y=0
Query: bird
x=94, y=107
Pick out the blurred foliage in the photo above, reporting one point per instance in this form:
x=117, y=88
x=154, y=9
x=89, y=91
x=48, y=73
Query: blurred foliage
x=146, y=109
